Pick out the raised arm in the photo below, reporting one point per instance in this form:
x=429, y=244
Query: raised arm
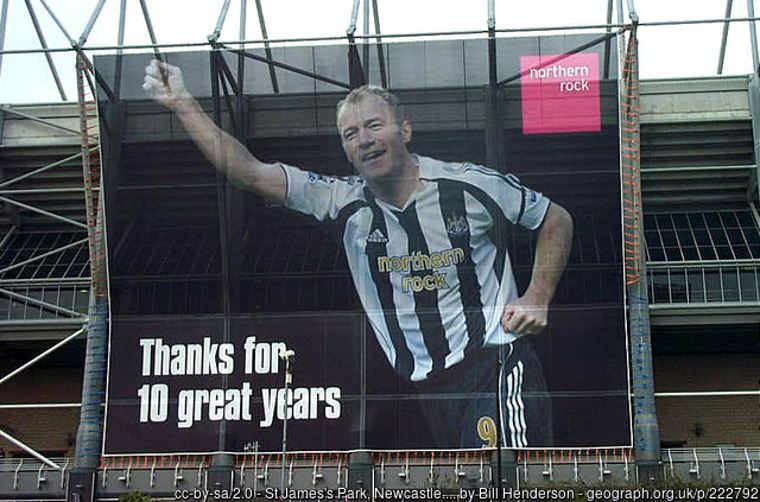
x=224, y=152
x=528, y=314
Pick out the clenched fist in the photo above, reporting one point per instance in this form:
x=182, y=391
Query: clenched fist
x=163, y=82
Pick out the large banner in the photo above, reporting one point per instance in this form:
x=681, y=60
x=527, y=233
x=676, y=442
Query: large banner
x=409, y=323
x=190, y=380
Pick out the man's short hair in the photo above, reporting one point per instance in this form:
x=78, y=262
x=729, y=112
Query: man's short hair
x=360, y=93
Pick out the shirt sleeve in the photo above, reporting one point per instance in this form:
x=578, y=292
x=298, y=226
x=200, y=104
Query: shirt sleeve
x=521, y=205
x=319, y=195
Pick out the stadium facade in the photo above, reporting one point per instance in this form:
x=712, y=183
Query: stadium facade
x=699, y=270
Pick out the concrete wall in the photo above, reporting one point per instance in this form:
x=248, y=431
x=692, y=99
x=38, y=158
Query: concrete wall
x=714, y=420
x=50, y=431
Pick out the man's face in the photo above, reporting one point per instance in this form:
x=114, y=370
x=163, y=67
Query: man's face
x=372, y=139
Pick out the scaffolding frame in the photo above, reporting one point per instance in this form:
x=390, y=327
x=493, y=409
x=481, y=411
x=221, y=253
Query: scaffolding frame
x=232, y=93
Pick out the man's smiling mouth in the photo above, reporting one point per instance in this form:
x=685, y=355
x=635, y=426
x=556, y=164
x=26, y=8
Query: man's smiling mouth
x=372, y=155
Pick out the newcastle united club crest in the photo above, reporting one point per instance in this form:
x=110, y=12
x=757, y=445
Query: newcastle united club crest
x=456, y=225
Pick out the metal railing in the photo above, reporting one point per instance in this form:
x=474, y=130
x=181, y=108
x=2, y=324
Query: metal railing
x=254, y=473
x=705, y=282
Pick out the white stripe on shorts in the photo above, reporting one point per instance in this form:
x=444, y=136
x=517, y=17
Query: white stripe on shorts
x=515, y=408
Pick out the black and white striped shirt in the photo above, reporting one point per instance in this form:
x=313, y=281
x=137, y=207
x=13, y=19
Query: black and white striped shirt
x=434, y=277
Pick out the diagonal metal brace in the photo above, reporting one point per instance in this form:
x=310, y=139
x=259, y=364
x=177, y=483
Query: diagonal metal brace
x=40, y=170
x=42, y=212
x=42, y=355
x=7, y=109
x=576, y=50
x=288, y=67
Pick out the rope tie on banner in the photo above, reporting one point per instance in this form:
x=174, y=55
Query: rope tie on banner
x=91, y=163
x=631, y=161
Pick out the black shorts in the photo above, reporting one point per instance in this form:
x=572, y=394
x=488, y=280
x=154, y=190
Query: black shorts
x=459, y=403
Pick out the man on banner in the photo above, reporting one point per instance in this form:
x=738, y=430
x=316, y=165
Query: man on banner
x=425, y=242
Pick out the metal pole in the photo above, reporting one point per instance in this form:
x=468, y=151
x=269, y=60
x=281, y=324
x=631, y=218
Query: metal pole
x=120, y=41
x=753, y=35
x=45, y=281
x=387, y=36
x=10, y=110
x=645, y=427
x=646, y=433
x=711, y=393
x=354, y=16
x=91, y=23
x=38, y=406
x=492, y=112
x=560, y=57
x=90, y=430
x=57, y=22
x=216, y=76
x=29, y=450
x=41, y=356
x=754, y=103
x=724, y=39
x=152, y=36
x=620, y=13
x=222, y=462
x=242, y=119
x=288, y=356
x=498, y=427
x=365, y=42
x=41, y=190
x=267, y=50
x=7, y=237
x=380, y=50
x=288, y=67
x=492, y=71
x=357, y=75
x=219, y=22
x=42, y=212
x=48, y=57
x=149, y=25
x=632, y=12
x=494, y=149
x=3, y=24
x=243, y=21
x=608, y=43
x=90, y=68
x=40, y=170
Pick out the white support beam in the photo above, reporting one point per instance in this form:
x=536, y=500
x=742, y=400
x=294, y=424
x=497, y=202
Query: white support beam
x=43, y=255
x=48, y=57
x=709, y=393
x=42, y=212
x=40, y=170
x=354, y=16
x=7, y=236
x=39, y=406
x=724, y=38
x=214, y=36
x=3, y=24
x=29, y=450
x=58, y=22
x=41, y=356
x=91, y=23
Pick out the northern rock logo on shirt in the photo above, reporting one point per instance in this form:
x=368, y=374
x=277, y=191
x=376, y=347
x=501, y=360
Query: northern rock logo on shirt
x=418, y=261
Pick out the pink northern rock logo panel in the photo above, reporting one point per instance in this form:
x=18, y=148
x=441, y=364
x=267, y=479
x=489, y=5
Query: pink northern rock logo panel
x=560, y=93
